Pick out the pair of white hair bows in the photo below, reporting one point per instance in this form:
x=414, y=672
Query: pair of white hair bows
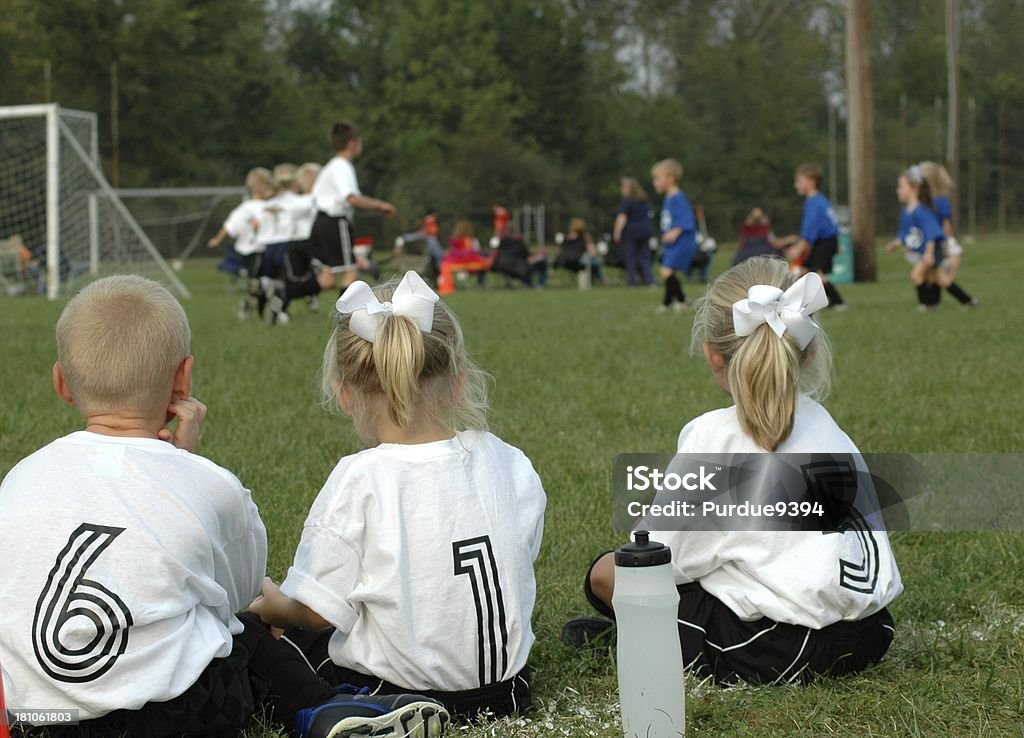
x=413, y=299
x=783, y=311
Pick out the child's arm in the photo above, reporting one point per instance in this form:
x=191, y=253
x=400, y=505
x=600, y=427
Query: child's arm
x=671, y=235
x=893, y=245
x=362, y=202
x=620, y=223
x=278, y=609
x=218, y=239
x=929, y=254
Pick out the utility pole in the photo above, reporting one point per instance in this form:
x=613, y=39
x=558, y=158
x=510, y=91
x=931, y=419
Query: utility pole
x=861, y=135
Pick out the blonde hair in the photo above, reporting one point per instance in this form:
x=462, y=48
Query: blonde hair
x=671, y=167
x=765, y=373
x=284, y=175
x=260, y=181
x=577, y=226
x=119, y=342
x=306, y=175
x=939, y=181
x=406, y=373
x=756, y=217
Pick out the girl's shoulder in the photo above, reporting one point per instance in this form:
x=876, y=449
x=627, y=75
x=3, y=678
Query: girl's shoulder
x=713, y=432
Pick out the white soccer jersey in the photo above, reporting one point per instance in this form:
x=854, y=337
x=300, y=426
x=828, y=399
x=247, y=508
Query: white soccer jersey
x=334, y=185
x=790, y=577
x=422, y=557
x=276, y=219
x=243, y=224
x=122, y=563
x=302, y=211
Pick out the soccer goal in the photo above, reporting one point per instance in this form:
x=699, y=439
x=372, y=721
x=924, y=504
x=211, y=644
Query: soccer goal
x=56, y=201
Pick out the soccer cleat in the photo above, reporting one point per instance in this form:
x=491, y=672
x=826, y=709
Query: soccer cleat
x=362, y=715
x=841, y=307
x=679, y=307
x=584, y=631
x=244, y=309
x=313, y=303
x=275, y=309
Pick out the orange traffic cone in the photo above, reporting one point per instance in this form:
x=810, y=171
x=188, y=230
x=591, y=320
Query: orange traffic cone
x=445, y=284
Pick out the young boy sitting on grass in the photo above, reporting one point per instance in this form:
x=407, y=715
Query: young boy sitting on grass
x=125, y=556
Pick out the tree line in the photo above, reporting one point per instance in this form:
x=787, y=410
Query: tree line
x=468, y=102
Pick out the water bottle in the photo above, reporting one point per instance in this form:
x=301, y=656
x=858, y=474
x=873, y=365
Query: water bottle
x=650, y=661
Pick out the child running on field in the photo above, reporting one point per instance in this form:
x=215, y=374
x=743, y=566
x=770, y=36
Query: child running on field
x=678, y=232
x=941, y=186
x=126, y=556
x=920, y=236
x=243, y=225
x=766, y=606
x=415, y=566
x=819, y=231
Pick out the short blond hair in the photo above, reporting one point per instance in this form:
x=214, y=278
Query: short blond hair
x=671, y=167
x=765, y=373
x=306, y=176
x=284, y=175
x=260, y=180
x=406, y=372
x=119, y=342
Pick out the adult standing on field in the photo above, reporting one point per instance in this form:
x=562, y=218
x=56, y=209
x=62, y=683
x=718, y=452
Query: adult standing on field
x=633, y=231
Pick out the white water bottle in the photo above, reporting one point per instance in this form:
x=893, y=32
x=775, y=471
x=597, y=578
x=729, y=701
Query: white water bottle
x=650, y=661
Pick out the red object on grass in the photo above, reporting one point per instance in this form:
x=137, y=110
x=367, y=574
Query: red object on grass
x=4, y=730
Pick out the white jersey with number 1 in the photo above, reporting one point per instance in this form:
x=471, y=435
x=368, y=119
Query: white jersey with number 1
x=422, y=557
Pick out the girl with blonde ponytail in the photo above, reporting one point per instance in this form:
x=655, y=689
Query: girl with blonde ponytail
x=415, y=566
x=759, y=605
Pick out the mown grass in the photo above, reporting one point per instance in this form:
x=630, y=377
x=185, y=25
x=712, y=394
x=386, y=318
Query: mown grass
x=582, y=376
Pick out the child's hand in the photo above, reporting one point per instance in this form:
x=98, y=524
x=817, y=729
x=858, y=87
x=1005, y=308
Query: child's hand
x=271, y=604
x=190, y=414
x=213, y=243
x=388, y=209
x=892, y=246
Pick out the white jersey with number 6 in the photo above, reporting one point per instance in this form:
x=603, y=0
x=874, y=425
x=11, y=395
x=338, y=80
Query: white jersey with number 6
x=422, y=557
x=122, y=563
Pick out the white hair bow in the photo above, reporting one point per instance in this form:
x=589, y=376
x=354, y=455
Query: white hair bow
x=413, y=298
x=783, y=311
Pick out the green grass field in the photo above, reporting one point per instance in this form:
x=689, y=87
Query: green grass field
x=582, y=376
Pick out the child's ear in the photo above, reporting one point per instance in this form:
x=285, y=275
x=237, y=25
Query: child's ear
x=714, y=359
x=181, y=389
x=346, y=398
x=60, y=386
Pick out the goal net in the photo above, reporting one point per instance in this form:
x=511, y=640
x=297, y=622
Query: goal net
x=58, y=211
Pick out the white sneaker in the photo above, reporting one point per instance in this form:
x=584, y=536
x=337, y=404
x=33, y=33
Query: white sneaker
x=680, y=307
x=841, y=307
x=661, y=309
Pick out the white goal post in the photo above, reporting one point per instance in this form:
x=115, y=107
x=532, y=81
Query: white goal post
x=56, y=201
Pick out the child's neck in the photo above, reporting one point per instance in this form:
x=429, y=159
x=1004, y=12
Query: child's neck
x=414, y=433
x=912, y=202
x=671, y=189
x=811, y=193
x=124, y=423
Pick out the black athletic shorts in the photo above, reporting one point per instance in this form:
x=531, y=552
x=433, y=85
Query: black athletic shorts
x=498, y=700
x=717, y=643
x=330, y=243
x=822, y=252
